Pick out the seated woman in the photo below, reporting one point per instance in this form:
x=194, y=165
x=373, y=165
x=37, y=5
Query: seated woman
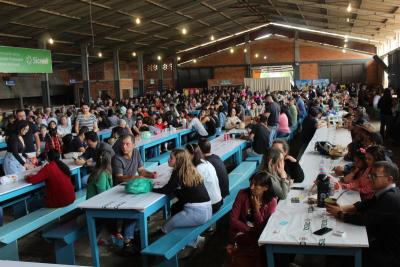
x=358, y=178
x=292, y=166
x=16, y=160
x=57, y=177
x=193, y=207
x=250, y=213
x=273, y=163
x=64, y=128
x=209, y=174
x=232, y=121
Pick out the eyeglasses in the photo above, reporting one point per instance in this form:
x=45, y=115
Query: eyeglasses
x=373, y=176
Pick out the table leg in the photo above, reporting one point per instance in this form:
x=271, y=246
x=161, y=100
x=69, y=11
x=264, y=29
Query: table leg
x=142, y=152
x=357, y=257
x=167, y=209
x=143, y=231
x=178, y=141
x=91, y=224
x=78, y=181
x=270, y=255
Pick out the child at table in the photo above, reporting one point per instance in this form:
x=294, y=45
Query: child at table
x=362, y=182
x=250, y=213
x=53, y=142
x=100, y=179
x=57, y=178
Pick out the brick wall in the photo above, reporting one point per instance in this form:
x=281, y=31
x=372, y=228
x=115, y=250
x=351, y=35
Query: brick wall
x=308, y=71
x=281, y=51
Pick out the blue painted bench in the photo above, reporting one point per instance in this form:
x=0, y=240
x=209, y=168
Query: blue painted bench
x=11, y=232
x=257, y=159
x=241, y=173
x=64, y=237
x=168, y=246
x=161, y=159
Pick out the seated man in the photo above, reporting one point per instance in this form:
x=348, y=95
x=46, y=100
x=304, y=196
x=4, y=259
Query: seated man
x=95, y=147
x=380, y=215
x=216, y=161
x=260, y=137
x=196, y=124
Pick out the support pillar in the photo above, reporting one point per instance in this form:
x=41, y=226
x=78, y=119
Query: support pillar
x=247, y=59
x=117, y=74
x=85, y=73
x=44, y=82
x=140, y=73
x=175, y=72
x=296, y=65
x=160, y=73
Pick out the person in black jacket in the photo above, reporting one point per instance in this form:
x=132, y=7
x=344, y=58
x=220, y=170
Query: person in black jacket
x=380, y=215
x=385, y=107
x=292, y=166
x=216, y=161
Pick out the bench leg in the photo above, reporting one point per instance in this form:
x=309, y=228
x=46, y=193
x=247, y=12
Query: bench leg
x=173, y=262
x=358, y=258
x=65, y=254
x=9, y=252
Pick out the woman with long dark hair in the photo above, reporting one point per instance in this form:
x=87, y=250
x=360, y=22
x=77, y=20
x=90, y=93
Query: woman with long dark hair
x=100, y=179
x=250, y=213
x=57, y=177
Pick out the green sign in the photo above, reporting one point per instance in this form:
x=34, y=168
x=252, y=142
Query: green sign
x=25, y=60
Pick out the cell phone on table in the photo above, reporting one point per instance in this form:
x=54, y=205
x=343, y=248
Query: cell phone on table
x=297, y=188
x=322, y=231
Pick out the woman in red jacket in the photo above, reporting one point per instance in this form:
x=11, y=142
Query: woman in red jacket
x=57, y=177
x=252, y=208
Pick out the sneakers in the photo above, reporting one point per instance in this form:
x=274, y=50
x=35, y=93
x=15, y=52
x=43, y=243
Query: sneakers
x=189, y=250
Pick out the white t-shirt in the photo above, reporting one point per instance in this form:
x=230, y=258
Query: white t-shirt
x=207, y=171
x=62, y=131
x=376, y=101
x=198, y=126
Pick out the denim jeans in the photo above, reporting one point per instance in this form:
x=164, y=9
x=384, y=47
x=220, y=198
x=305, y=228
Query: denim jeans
x=129, y=229
x=273, y=130
x=193, y=214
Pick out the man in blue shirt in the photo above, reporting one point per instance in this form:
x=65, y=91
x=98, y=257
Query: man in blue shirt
x=301, y=107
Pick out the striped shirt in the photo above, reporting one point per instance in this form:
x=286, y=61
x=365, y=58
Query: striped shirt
x=89, y=122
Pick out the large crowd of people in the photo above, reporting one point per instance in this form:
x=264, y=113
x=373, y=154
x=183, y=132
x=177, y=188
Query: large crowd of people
x=199, y=178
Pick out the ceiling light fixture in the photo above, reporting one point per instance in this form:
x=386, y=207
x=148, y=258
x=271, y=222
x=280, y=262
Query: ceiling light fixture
x=138, y=21
x=349, y=8
x=343, y=50
x=159, y=58
x=50, y=41
x=245, y=50
x=348, y=20
x=212, y=38
x=194, y=60
x=265, y=57
x=100, y=54
x=133, y=54
x=231, y=50
x=256, y=55
x=184, y=31
x=178, y=58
